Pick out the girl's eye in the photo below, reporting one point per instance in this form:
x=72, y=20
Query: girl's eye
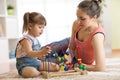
x=40, y=27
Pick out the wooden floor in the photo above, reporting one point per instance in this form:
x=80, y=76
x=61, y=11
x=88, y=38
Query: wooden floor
x=8, y=66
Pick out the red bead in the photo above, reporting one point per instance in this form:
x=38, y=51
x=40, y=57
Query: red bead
x=70, y=66
x=79, y=62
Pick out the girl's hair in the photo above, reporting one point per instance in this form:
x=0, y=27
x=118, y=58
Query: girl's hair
x=33, y=18
x=91, y=7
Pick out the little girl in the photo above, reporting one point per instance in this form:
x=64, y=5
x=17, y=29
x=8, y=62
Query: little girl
x=87, y=39
x=29, y=48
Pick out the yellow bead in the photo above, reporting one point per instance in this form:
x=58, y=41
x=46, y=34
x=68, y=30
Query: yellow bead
x=84, y=64
x=62, y=67
x=65, y=56
x=58, y=59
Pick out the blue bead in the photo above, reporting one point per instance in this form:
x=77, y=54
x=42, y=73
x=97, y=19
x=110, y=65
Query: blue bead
x=67, y=53
x=66, y=68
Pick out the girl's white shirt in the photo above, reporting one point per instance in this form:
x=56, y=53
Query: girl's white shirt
x=20, y=51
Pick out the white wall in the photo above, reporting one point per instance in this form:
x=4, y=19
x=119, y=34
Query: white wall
x=30, y=6
x=106, y=21
x=59, y=14
x=115, y=23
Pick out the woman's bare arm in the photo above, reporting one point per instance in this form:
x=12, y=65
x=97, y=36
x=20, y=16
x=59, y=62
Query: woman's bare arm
x=98, y=45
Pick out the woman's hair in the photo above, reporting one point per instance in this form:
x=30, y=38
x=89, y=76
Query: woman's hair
x=33, y=18
x=91, y=7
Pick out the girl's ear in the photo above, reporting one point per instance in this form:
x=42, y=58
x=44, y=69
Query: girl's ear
x=30, y=26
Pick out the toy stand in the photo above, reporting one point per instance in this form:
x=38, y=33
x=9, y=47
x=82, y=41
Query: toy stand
x=63, y=73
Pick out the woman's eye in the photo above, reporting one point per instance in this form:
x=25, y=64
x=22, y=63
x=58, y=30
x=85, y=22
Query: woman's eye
x=82, y=18
x=39, y=27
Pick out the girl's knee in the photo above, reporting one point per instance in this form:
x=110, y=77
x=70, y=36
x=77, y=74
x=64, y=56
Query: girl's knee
x=55, y=67
x=30, y=73
x=34, y=74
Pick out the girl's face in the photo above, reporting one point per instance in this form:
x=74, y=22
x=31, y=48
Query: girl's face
x=84, y=19
x=37, y=30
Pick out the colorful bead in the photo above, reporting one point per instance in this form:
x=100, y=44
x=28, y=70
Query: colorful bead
x=66, y=68
x=67, y=63
x=65, y=56
x=62, y=67
x=80, y=66
x=67, y=53
x=58, y=59
x=70, y=66
x=84, y=68
x=62, y=59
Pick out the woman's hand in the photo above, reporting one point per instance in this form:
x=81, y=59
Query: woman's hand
x=76, y=23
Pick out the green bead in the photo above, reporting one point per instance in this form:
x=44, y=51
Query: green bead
x=62, y=59
x=80, y=66
x=62, y=64
x=54, y=55
x=84, y=68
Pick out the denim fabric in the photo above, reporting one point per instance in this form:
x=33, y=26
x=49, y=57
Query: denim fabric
x=27, y=61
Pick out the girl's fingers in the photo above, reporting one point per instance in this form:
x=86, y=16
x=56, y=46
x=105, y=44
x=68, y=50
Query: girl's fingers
x=48, y=47
x=49, y=51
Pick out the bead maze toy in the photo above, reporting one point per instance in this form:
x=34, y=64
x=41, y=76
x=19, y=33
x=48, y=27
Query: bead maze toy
x=75, y=71
x=66, y=68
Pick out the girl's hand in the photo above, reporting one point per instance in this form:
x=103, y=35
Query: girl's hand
x=41, y=57
x=46, y=50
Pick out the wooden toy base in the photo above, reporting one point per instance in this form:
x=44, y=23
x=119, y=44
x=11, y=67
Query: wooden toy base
x=63, y=73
